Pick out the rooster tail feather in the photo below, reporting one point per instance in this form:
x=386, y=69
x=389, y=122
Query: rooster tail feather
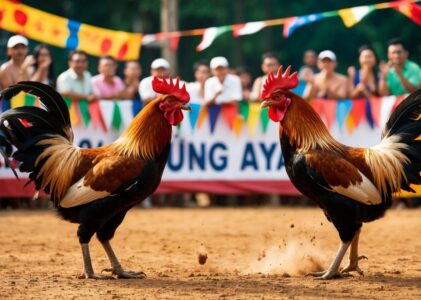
x=42, y=136
x=405, y=123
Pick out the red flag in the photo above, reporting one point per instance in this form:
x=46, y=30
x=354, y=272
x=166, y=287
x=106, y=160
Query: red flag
x=411, y=10
x=358, y=111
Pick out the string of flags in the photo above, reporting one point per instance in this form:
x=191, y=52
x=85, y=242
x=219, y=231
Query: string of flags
x=117, y=115
x=65, y=33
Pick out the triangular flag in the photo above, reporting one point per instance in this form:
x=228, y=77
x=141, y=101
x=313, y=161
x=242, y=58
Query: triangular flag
x=293, y=23
x=174, y=41
x=116, y=121
x=411, y=10
x=96, y=116
x=342, y=111
x=369, y=113
x=243, y=109
x=137, y=107
x=107, y=113
x=399, y=100
x=351, y=16
x=194, y=114
x=202, y=116
x=358, y=111
x=350, y=124
x=318, y=106
x=247, y=28
x=73, y=112
x=330, y=111
x=84, y=111
x=264, y=117
x=387, y=105
x=253, y=117
x=213, y=111
x=210, y=35
x=18, y=100
x=376, y=106
x=30, y=99
x=5, y=104
x=230, y=112
x=238, y=125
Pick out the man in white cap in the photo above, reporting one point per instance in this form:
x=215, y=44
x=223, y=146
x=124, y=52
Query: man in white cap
x=222, y=87
x=327, y=84
x=15, y=69
x=161, y=68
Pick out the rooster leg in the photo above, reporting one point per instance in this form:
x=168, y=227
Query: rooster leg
x=116, y=268
x=88, y=270
x=353, y=257
x=333, y=270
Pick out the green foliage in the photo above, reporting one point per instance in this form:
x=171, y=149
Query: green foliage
x=144, y=16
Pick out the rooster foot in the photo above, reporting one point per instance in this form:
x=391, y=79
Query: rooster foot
x=352, y=267
x=94, y=276
x=325, y=275
x=120, y=273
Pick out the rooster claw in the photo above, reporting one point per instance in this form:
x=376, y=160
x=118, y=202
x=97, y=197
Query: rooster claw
x=120, y=273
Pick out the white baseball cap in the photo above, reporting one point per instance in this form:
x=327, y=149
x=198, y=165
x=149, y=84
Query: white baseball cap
x=218, y=61
x=160, y=63
x=327, y=54
x=16, y=40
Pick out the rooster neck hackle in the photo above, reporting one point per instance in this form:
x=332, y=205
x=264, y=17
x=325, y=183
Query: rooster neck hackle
x=147, y=135
x=305, y=130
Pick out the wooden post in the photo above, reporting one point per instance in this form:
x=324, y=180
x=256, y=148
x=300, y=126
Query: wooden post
x=169, y=22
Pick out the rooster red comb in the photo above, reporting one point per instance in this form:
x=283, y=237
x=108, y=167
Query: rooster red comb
x=280, y=81
x=163, y=87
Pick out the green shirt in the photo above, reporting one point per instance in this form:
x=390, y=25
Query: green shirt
x=411, y=71
x=68, y=81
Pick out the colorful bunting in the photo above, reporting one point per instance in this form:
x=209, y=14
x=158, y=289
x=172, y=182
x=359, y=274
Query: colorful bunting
x=264, y=118
x=213, y=111
x=194, y=114
x=65, y=33
x=247, y=28
x=210, y=35
x=293, y=23
x=342, y=111
x=230, y=112
x=351, y=16
x=253, y=117
x=411, y=10
x=118, y=114
x=84, y=112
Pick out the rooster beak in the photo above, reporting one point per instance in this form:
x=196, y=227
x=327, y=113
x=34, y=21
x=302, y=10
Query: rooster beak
x=185, y=107
x=265, y=103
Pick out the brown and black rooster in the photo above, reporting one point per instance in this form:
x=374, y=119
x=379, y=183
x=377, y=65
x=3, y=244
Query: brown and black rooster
x=92, y=187
x=351, y=185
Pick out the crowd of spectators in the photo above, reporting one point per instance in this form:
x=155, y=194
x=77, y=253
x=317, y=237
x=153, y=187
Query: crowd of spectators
x=215, y=82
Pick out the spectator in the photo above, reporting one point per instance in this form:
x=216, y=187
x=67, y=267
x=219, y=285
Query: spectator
x=75, y=82
x=15, y=69
x=270, y=63
x=400, y=75
x=246, y=82
x=327, y=84
x=310, y=65
x=161, y=68
x=364, y=82
x=222, y=87
x=196, y=89
x=42, y=68
x=132, y=73
x=106, y=85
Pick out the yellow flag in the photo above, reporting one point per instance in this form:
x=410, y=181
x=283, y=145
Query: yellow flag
x=18, y=100
x=253, y=119
x=238, y=125
x=202, y=116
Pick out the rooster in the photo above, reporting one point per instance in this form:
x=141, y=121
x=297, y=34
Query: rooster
x=92, y=187
x=351, y=185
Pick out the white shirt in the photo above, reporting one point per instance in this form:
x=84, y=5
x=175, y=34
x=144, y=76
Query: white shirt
x=145, y=89
x=194, y=91
x=231, y=89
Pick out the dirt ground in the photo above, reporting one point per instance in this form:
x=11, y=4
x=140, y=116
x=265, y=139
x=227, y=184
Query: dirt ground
x=260, y=253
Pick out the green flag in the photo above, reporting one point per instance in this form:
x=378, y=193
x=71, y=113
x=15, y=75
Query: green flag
x=116, y=121
x=84, y=111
